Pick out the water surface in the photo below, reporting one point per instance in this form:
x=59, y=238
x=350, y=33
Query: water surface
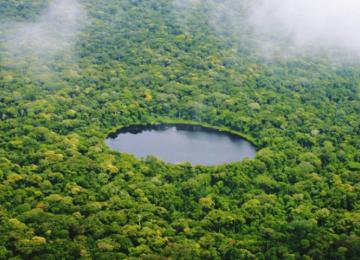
x=175, y=143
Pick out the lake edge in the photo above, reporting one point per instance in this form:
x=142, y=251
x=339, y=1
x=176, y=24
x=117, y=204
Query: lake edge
x=179, y=125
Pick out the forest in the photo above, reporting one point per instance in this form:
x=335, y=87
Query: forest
x=67, y=83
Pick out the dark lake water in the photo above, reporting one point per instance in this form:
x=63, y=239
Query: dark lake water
x=175, y=143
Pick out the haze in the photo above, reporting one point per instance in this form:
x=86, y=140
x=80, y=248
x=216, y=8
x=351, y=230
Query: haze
x=52, y=36
x=320, y=23
x=305, y=24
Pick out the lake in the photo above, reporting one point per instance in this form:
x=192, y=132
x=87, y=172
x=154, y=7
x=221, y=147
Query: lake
x=175, y=143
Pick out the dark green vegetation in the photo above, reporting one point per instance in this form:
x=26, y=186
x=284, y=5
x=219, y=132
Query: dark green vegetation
x=64, y=194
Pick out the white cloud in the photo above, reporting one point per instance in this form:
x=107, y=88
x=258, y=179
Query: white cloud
x=54, y=33
x=287, y=27
x=319, y=23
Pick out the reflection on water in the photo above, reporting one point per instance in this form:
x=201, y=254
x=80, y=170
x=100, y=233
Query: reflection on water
x=176, y=143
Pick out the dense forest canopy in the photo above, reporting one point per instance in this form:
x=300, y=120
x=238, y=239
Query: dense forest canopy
x=73, y=71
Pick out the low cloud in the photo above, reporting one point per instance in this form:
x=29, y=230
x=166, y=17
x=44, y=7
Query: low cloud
x=309, y=23
x=39, y=45
x=287, y=26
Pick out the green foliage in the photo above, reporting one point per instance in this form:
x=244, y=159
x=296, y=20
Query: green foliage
x=65, y=195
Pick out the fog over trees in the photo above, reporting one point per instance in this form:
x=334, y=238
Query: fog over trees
x=285, y=75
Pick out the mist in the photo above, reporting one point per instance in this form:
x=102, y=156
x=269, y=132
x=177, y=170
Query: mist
x=331, y=24
x=44, y=45
x=288, y=26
